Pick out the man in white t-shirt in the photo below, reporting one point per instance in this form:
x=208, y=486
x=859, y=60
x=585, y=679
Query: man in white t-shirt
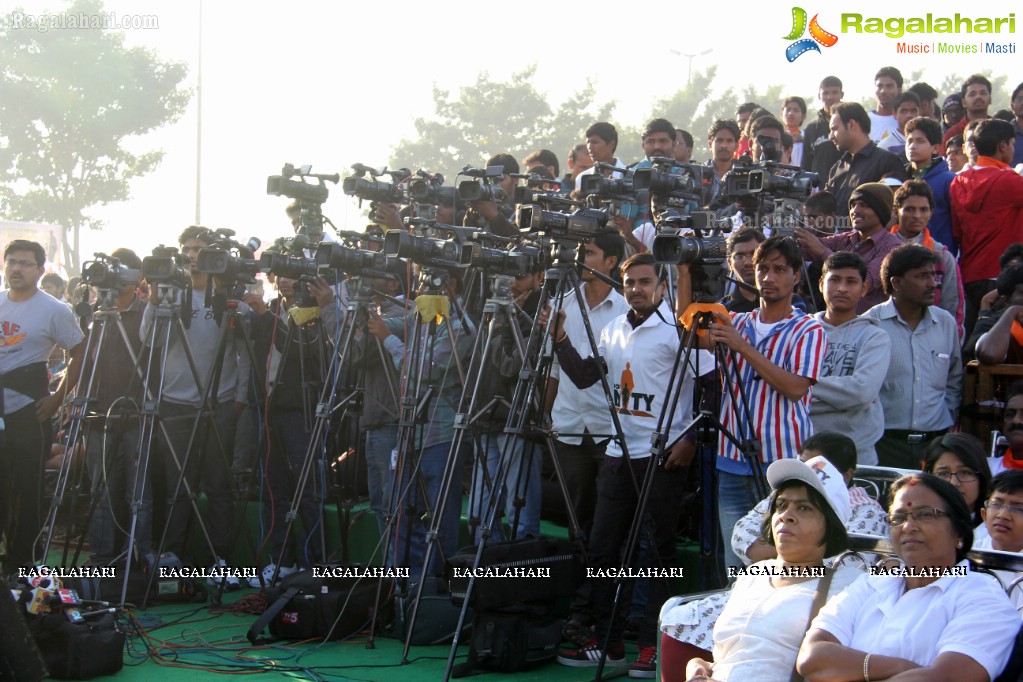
x=887, y=86
x=601, y=143
x=32, y=323
x=638, y=351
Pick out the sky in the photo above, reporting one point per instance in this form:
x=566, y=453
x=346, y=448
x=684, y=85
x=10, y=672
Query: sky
x=330, y=84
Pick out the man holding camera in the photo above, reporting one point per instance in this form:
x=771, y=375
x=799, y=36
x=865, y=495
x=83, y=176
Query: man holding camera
x=777, y=353
x=32, y=323
x=496, y=215
x=112, y=443
x=209, y=462
x=601, y=142
x=870, y=210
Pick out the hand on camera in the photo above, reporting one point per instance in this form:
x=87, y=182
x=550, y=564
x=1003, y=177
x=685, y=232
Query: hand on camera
x=809, y=243
x=486, y=209
x=388, y=215
x=321, y=291
x=255, y=301
x=377, y=327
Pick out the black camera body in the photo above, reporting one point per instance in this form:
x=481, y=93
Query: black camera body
x=229, y=259
x=514, y=263
x=582, y=225
x=425, y=251
x=673, y=184
x=354, y=262
x=107, y=273
x=768, y=178
x=167, y=266
x=596, y=185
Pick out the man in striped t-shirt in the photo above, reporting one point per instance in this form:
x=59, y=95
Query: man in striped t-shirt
x=777, y=355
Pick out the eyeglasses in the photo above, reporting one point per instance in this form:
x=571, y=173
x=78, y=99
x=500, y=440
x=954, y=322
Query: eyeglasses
x=11, y=262
x=963, y=475
x=995, y=507
x=921, y=515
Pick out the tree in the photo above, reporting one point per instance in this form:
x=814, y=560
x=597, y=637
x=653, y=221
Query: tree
x=692, y=108
x=69, y=99
x=489, y=117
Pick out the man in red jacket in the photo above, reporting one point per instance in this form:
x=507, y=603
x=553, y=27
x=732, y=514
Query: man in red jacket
x=987, y=211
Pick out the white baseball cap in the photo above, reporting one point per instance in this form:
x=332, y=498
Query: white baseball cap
x=819, y=474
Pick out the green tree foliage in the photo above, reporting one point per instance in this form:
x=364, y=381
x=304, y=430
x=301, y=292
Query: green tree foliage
x=69, y=101
x=694, y=109
x=489, y=117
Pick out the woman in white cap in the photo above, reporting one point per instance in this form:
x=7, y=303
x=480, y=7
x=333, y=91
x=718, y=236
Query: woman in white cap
x=759, y=632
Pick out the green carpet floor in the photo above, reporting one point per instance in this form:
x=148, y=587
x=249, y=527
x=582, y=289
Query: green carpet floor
x=190, y=641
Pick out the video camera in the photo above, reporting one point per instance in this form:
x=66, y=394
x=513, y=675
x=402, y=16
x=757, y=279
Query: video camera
x=356, y=262
x=286, y=258
x=515, y=262
x=582, y=225
x=675, y=185
x=768, y=187
x=167, y=266
x=107, y=273
x=425, y=251
x=300, y=190
x=705, y=250
x=356, y=185
x=309, y=195
x=428, y=189
x=484, y=190
x=231, y=260
x=595, y=184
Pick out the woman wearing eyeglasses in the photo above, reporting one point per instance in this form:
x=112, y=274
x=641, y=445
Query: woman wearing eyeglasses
x=959, y=459
x=930, y=624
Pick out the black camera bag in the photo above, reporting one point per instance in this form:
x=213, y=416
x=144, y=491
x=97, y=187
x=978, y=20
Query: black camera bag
x=79, y=651
x=303, y=606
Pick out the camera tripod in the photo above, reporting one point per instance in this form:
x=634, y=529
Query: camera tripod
x=696, y=318
x=562, y=280
x=309, y=338
x=232, y=327
x=106, y=312
x=329, y=403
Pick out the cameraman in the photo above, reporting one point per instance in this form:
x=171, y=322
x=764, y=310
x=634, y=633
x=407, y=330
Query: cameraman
x=722, y=139
x=427, y=453
x=522, y=493
x=298, y=355
x=777, y=355
x=741, y=246
x=380, y=402
x=496, y=217
x=209, y=465
x=601, y=142
x=637, y=225
x=112, y=443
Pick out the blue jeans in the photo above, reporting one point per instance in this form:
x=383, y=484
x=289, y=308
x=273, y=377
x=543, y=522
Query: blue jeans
x=736, y=496
x=412, y=521
x=380, y=442
x=523, y=463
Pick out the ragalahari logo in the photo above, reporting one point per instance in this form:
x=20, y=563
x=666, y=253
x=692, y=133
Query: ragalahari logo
x=817, y=35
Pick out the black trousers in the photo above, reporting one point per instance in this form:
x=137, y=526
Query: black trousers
x=24, y=445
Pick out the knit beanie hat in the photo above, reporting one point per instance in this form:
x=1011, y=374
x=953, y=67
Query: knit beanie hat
x=878, y=196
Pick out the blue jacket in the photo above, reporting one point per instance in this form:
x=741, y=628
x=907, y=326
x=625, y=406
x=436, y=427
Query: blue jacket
x=939, y=177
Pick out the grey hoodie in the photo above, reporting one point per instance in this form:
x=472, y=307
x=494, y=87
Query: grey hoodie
x=845, y=397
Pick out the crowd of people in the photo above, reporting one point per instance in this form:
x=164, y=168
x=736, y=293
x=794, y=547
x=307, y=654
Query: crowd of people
x=839, y=340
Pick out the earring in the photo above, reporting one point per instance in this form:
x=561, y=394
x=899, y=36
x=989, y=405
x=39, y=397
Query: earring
x=959, y=545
